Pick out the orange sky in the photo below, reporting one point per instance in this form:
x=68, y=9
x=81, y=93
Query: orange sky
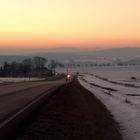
x=70, y=22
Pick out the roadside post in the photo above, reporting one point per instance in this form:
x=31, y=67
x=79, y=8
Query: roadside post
x=68, y=76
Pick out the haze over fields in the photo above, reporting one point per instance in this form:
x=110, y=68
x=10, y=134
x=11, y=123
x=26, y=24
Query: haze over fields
x=74, y=55
x=82, y=30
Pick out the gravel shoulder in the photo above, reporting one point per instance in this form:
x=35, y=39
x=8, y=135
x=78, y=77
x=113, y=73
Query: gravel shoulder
x=71, y=113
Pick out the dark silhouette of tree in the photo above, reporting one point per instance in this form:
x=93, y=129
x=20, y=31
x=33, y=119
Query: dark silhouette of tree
x=53, y=65
x=61, y=65
x=39, y=62
x=6, y=69
x=35, y=67
x=27, y=66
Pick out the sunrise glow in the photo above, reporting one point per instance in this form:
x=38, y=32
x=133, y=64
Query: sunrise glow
x=69, y=22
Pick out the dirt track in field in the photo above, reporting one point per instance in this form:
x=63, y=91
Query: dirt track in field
x=71, y=113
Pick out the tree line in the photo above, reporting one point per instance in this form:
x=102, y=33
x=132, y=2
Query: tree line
x=29, y=67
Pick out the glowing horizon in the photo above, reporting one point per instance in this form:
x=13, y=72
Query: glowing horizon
x=63, y=22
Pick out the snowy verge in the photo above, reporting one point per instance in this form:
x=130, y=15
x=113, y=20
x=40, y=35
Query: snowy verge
x=22, y=79
x=125, y=113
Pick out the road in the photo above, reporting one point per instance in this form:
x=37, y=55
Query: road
x=7, y=88
x=15, y=96
x=72, y=113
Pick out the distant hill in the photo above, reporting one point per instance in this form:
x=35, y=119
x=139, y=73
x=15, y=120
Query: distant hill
x=70, y=54
x=9, y=58
x=134, y=61
x=122, y=53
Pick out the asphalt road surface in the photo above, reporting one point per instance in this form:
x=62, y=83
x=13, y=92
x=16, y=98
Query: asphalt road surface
x=71, y=113
x=15, y=96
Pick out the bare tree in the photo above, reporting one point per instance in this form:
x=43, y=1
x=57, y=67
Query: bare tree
x=39, y=62
x=53, y=65
x=27, y=65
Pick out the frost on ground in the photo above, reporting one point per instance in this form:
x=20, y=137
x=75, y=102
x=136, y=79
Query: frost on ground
x=10, y=79
x=122, y=101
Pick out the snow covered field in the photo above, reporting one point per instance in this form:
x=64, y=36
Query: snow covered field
x=9, y=79
x=121, y=99
x=122, y=74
